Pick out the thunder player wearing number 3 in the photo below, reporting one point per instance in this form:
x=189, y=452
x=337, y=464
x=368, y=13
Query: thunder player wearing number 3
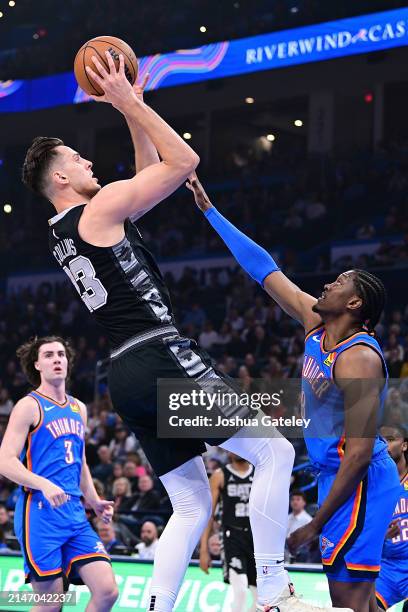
x=43, y=451
x=344, y=382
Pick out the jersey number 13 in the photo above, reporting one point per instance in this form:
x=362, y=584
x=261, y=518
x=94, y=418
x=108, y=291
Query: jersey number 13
x=82, y=274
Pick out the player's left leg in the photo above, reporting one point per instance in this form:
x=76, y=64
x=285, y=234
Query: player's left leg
x=189, y=492
x=100, y=580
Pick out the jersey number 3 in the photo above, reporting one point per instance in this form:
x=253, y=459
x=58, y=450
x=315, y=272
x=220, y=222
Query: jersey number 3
x=82, y=273
x=69, y=457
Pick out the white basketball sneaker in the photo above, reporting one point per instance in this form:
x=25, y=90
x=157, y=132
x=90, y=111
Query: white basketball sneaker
x=288, y=602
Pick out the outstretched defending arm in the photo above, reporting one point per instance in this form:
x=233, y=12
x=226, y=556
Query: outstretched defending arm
x=258, y=263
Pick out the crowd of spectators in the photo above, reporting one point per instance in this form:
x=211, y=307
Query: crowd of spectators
x=29, y=31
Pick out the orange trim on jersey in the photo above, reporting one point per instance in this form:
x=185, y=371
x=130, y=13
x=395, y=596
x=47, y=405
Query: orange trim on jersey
x=363, y=568
x=404, y=478
x=350, y=528
x=88, y=556
x=41, y=416
x=339, y=343
x=27, y=543
x=340, y=446
x=64, y=405
x=29, y=439
x=313, y=331
x=381, y=598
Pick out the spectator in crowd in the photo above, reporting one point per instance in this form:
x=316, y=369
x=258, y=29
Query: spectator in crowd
x=214, y=547
x=147, y=548
x=298, y=518
x=6, y=522
x=4, y=549
x=147, y=498
x=122, y=495
x=122, y=444
x=107, y=534
x=103, y=471
x=6, y=404
x=208, y=336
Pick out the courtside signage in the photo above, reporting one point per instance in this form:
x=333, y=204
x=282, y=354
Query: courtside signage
x=199, y=592
x=323, y=41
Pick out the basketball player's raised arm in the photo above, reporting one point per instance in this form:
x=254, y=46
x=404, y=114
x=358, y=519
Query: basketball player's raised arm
x=258, y=263
x=360, y=375
x=123, y=199
x=23, y=419
x=102, y=508
x=216, y=484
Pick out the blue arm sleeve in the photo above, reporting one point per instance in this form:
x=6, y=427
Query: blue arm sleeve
x=251, y=257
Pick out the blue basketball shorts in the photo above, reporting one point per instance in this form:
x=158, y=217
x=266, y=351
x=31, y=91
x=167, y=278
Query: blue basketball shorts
x=55, y=541
x=351, y=541
x=392, y=583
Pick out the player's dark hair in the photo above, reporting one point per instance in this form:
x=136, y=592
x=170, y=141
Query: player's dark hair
x=37, y=162
x=372, y=291
x=27, y=354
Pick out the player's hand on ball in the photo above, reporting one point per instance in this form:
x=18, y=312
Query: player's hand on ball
x=117, y=89
x=104, y=510
x=393, y=530
x=205, y=561
x=54, y=494
x=201, y=198
x=303, y=535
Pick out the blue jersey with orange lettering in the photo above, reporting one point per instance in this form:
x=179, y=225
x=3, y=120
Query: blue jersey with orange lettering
x=397, y=548
x=54, y=447
x=323, y=401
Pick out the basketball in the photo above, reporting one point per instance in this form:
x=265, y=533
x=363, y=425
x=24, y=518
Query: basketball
x=98, y=46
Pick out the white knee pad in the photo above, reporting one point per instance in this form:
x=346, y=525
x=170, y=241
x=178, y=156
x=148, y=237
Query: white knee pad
x=189, y=491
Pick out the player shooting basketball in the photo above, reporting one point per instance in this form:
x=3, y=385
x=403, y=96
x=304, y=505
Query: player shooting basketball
x=95, y=240
x=43, y=450
x=344, y=384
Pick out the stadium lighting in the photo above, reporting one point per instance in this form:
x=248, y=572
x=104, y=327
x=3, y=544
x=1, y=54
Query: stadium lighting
x=7, y=208
x=36, y=36
x=294, y=9
x=270, y=137
x=203, y=29
x=299, y=123
x=12, y=3
x=249, y=100
x=187, y=136
x=1, y=14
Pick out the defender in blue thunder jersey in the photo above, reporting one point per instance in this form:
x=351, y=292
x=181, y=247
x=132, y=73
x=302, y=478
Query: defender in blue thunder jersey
x=392, y=583
x=344, y=383
x=43, y=451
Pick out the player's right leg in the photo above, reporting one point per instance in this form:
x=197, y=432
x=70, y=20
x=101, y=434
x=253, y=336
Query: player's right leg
x=268, y=512
x=54, y=586
x=188, y=489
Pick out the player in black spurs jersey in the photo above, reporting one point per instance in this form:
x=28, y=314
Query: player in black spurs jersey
x=230, y=488
x=95, y=240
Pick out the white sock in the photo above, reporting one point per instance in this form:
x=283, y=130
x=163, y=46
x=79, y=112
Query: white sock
x=188, y=489
x=254, y=594
x=239, y=585
x=268, y=506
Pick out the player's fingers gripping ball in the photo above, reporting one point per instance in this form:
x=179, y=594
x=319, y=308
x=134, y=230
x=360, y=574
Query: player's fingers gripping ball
x=97, y=47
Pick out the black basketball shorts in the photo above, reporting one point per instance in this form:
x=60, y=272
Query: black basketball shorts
x=135, y=367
